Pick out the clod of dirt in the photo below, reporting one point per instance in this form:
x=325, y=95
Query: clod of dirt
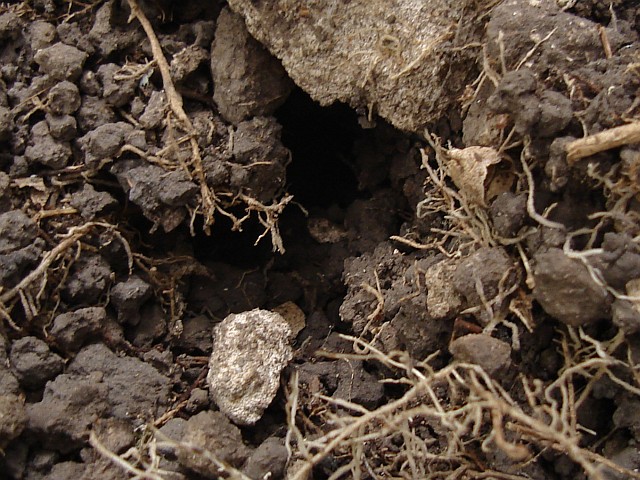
x=254, y=141
x=545, y=114
x=41, y=34
x=90, y=276
x=60, y=61
x=70, y=330
x=508, y=213
x=161, y=195
x=493, y=355
x=250, y=349
x=196, y=334
x=293, y=315
x=136, y=390
x=116, y=91
x=268, y=460
x=33, y=363
x=64, y=98
x=443, y=300
x=566, y=291
x=625, y=316
x=363, y=54
x=484, y=277
x=83, y=399
x=102, y=144
x=17, y=230
x=62, y=127
x=212, y=432
x=13, y=418
x=357, y=385
x=10, y=26
x=249, y=82
x=45, y=149
x=128, y=296
x=92, y=203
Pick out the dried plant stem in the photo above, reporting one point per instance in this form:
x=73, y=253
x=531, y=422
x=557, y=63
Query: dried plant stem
x=176, y=104
x=602, y=141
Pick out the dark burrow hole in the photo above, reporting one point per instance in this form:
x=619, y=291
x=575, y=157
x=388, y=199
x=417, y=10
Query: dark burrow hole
x=321, y=175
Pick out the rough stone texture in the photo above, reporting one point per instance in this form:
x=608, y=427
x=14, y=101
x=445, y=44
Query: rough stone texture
x=248, y=80
x=485, y=273
x=213, y=432
x=60, y=61
x=91, y=202
x=45, y=149
x=135, y=389
x=13, y=418
x=70, y=330
x=17, y=230
x=33, y=363
x=250, y=349
x=270, y=458
x=64, y=98
x=90, y=276
x=493, y=355
x=443, y=300
x=128, y=297
x=395, y=58
x=13, y=265
x=68, y=397
x=566, y=291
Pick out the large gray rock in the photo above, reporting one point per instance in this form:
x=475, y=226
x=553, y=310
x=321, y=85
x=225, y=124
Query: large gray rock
x=399, y=58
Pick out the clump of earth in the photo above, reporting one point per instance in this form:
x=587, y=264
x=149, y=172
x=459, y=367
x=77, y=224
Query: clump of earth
x=262, y=240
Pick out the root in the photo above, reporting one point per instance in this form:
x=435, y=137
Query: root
x=605, y=140
x=208, y=197
x=464, y=406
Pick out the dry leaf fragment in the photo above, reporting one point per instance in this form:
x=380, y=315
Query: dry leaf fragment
x=475, y=173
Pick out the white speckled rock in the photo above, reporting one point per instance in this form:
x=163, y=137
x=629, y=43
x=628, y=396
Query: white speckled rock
x=250, y=349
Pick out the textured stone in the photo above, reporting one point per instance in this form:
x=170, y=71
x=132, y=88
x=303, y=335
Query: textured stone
x=250, y=349
x=399, y=58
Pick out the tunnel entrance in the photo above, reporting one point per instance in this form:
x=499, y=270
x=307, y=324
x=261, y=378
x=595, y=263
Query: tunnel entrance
x=321, y=141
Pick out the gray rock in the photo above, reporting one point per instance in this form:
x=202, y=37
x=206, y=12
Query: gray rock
x=17, y=230
x=33, y=363
x=13, y=418
x=70, y=330
x=250, y=349
x=60, y=61
x=213, y=432
x=64, y=98
x=400, y=59
x=45, y=149
x=493, y=355
x=136, y=390
x=248, y=81
x=566, y=291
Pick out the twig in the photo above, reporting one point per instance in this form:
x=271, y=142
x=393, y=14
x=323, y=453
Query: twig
x=602, y=141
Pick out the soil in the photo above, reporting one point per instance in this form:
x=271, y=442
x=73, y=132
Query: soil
x=206, y=274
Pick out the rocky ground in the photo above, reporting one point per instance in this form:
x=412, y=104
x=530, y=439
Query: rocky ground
x=440, y=201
